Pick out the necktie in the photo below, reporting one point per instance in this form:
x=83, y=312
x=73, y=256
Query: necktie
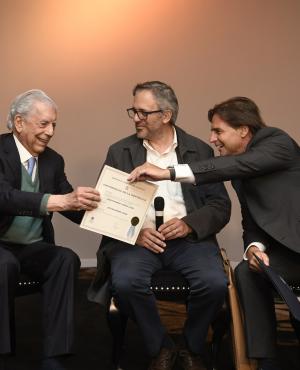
x=31, y=163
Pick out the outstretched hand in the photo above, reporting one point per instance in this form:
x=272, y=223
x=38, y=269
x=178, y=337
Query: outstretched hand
x=83, y=198
x=148, y=171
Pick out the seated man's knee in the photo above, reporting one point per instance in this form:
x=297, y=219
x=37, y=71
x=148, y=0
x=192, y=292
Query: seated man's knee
x=242, y=271
x=126, y=285
x=9, y=266
x=214, y=286
x=218, y=287
x=69, y=257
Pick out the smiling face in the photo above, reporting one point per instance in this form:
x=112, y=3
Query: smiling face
x=36, y=129
x=229, y=140
x=154, y=124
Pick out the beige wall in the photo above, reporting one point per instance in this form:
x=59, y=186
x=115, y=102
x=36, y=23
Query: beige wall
x=88, y=54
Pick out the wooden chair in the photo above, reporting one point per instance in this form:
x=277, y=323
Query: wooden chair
x=242, y=362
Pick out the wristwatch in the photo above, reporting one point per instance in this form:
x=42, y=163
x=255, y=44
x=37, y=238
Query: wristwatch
x=172, y=173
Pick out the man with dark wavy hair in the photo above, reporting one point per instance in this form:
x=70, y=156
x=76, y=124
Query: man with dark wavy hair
x=264, y=166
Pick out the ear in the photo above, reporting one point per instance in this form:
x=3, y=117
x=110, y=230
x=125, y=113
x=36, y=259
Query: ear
x=244, y=131
x=18, y=123
x=167, y=115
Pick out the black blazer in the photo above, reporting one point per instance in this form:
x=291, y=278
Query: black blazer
x=14, y=202
x=266, y=178
x=208, y=206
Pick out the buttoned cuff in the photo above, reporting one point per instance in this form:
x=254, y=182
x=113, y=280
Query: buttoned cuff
x=183, y=173
x=259, y=245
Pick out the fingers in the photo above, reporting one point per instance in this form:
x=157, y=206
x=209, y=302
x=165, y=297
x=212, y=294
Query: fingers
x=152, y=240
x=87, y=198
x=133, y=175
x=174, y=228
x=254, y=264
x=148, y=171
x=137, y=174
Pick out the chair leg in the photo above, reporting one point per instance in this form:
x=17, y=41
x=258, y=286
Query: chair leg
x=117, y=323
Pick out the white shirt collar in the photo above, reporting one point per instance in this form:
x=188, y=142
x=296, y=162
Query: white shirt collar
x=23, y=152
x=174, y=144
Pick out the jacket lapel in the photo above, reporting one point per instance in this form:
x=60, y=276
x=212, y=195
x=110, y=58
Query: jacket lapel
x=138, y=154
x=182, y=147
x=13, y=158
x=43, y=169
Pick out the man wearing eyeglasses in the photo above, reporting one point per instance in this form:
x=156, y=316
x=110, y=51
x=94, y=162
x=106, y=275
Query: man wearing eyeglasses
x=33, y=185
x=185, y=242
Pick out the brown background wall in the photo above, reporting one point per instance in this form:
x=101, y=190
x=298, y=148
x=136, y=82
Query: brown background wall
x=88, y=54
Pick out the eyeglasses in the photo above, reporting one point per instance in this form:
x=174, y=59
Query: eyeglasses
x=141, y=113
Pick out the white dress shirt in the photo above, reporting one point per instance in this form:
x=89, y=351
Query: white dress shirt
x=169, y=190
x=24, y=156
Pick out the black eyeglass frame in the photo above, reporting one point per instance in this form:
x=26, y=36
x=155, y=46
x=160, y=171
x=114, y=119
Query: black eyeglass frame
x=141, y=113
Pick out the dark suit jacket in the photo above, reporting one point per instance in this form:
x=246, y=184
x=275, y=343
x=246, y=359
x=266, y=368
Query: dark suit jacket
x=266, y=178
x=208, y=207
x=14, y=202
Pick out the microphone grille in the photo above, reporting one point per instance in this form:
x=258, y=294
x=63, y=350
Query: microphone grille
x=159, y=203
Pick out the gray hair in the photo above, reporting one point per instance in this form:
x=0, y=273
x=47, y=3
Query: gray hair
x=164, y=95
x=23, y=103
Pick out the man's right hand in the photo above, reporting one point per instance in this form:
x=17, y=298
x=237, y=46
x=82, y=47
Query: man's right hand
x=253, y=263
x=152, y=240
x=83, y=198
x=148, y=171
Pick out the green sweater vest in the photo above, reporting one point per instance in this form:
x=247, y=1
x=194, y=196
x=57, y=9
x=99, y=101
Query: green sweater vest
x=24, y=229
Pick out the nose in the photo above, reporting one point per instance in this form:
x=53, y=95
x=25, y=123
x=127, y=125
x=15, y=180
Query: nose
x=136, y=118
x=213, y=137
x=50, y=129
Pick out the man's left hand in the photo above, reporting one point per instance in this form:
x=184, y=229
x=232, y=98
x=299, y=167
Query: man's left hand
x=175, y=228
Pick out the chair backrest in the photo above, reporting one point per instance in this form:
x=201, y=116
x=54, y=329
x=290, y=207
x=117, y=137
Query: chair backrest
x=27, y=285
x=169, y=285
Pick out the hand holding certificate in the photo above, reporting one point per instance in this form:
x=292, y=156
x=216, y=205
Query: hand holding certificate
x=123, y=207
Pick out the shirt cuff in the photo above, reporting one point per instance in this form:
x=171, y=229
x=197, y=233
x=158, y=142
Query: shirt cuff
x=259, y=245
x=183, y=173
x=43, y=207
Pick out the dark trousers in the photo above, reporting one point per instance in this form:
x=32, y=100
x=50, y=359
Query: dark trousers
x=56, y=268
x=200, y=263
x=256, y=295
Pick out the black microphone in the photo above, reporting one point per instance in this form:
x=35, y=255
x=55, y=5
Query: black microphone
x=159, y=205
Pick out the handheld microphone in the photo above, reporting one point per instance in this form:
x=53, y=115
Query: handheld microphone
x=159, y=205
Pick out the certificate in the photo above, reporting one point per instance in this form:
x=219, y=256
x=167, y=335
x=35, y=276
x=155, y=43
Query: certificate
x=123, y=206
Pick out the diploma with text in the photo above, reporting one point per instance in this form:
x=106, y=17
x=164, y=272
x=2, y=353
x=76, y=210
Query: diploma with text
x=123, y=206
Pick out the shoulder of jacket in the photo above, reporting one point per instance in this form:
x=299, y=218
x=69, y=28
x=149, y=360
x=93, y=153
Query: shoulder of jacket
x=125, y=142
x=191, y=140
x=51, y=154
x=271, y=133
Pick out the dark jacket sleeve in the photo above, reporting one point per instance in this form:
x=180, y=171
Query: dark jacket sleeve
x=251, y=231
x=270, y=150
x=62, y=186
x=14, y=202
x=211, y=211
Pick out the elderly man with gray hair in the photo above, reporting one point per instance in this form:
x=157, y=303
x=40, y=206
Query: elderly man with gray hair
x=33, y=185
